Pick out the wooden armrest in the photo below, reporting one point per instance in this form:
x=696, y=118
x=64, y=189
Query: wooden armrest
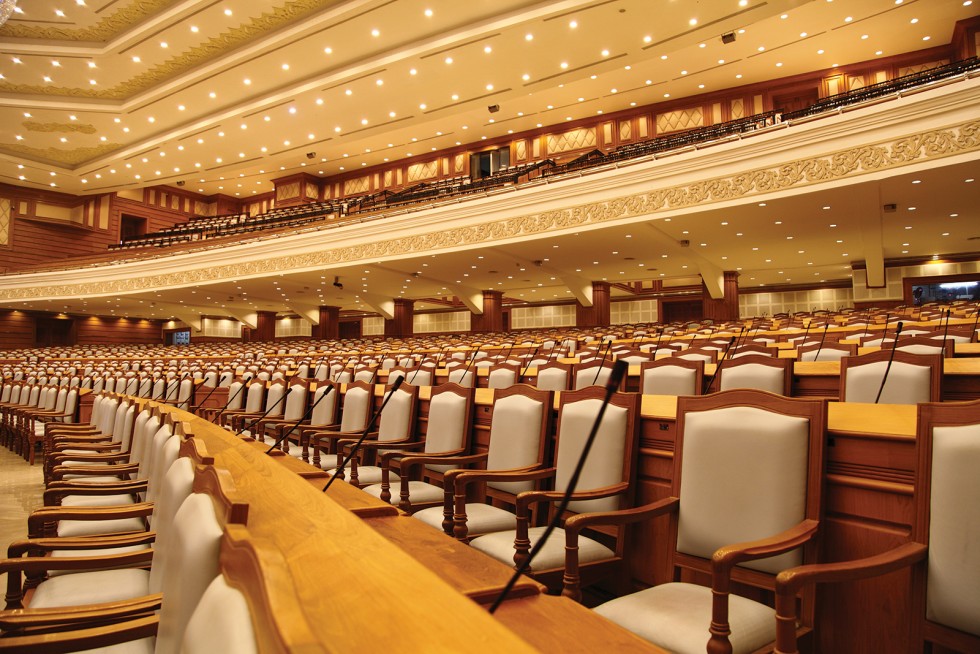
x=18, y=619
x=728, y=556
x=38, y=518
x=463, y=477
x=94, y=471
x=789, y=582
x=107, y=457
x=35, y=566
x=410, y=460
x=624, y=516
x=377, y=445
x=54, y=496
x=83, y=639
x=526, y=498
x=20, y=548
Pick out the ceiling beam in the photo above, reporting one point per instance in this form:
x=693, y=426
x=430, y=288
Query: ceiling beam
x=308, y=311
x=381, y=304
x=712, y=275
x=248, y=318
x=870, y=219
x=471, y=297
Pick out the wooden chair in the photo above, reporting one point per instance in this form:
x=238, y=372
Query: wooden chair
x=634, y=357
x=396, y=427
x=826, y=351
x=748, y=469
x=518, y=441
x=354, y=416
x=923, y=345
x=553, y=376
x=322, y=417
x=503, y=375
x=672, y=376
x=606, y=484
x=699, y=354
x=448, y=429
x=461, y=373
x=593, y=373
x=761, y=373
x=913, y=378
x=295, y=408
x=942, y=546
x=246, y=421
x=192, y=548
x=752, y=349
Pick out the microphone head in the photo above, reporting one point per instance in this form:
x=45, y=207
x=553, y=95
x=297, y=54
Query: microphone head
x=617, y=374
x=398, y=382
x=898, y=328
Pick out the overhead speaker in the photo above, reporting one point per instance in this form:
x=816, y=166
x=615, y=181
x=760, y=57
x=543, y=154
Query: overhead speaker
x=494, y=108
x=728, y=38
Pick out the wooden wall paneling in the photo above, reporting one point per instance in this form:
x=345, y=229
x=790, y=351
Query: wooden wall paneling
x=16, y=329
x=100, y=329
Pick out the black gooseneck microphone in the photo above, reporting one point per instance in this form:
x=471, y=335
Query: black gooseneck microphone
x=353, y=450
x=615, y=379
x=217, y=383
x=721, y=362
x=822, y=337
x=946, y=331
x=509, y=350
x=554, y=346
x=230, y=400
x=319, y=363
x=884, y=334
x=462, y=376
x=602, y=362
x=806, y=332
x=520, y=375
x=305, y=416
x=340, y=372
x=733, y=346
x=176, y=387
x=272, y=408
x=884, y=377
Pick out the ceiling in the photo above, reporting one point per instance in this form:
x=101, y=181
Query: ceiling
x=102, y=95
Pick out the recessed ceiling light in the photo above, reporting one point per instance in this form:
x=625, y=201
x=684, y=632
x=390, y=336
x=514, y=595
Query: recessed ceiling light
x=375, y=33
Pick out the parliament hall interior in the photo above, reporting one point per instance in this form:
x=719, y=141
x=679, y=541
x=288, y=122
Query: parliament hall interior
x=511, y=325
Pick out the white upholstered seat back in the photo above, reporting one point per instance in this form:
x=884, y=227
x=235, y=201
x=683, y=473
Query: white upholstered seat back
x=824, y=353
x=753, y=375
x=695, y=356
x=743, y=477
x=356, y=406
x=670, y=380
x=447, y=426
x=592, y=377
x=953, y=588
x=176, y=487
x=273, y=400
x=220, y=623
x=236, y=395
x=142, y=438
x=604, y=466
x=501, y=378
x=514, y=438
x=907, y=383
x=167, y=451
x=366, y=375
x=552, y=379
x=394, y=421
x=921, y=348
x=193, y=550
x=325, y=410
x=295, y=403
x=461, y=376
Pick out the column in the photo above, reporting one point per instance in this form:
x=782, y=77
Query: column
x=265, y=326
x=403, y=322
x=492, y=319
x=598, y=314
x=727, y=307
x=329, y=326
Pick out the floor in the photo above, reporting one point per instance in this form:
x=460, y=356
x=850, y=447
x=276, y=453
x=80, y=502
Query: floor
x=21, y=488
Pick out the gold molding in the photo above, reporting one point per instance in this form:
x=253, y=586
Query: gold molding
x=214, y=47
x=56, y=155
x=68, y=128
x=104, y=30
x=835, y=166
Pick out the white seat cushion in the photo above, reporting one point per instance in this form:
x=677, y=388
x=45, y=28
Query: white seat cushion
x=372, y=475
x=676, y=616
x=91, y=588
x=418, y=493
x=69, y=528
x=480, y=519
x=99, y=553
x=500, y=546
x=96, y=500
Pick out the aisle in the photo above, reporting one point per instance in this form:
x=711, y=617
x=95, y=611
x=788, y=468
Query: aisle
x=21, y=488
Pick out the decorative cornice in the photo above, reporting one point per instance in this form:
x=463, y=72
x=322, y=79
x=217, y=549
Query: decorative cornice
x=834, y=166
x=108, y=27
x=68, y=128
x=215, y=47
x=65, y=157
